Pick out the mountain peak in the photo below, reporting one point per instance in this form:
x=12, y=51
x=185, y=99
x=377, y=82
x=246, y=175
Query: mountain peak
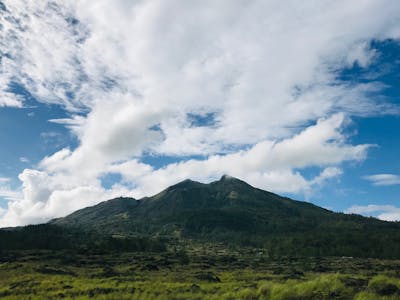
x=227, y=177
x=230, y=180
x=224, y=211
x=187, y=183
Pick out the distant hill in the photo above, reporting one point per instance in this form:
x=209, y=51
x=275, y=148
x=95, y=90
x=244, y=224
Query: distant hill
x=233, y=212
x=194, y=209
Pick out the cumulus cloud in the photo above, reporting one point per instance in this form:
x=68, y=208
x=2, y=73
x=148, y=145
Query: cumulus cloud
x=383, y=212
x=268, y=164
x=68, y=182
x=245, y=88
x=6, y=192
x=383, y=179
x=46, y=197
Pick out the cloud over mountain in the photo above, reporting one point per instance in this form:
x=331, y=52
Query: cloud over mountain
x=245, y=88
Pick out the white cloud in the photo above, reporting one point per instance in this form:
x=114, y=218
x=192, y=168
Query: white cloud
x=6, y=192
x=4, y=179
x=193, y=55
x=270, y=165
x=24, y=159
x=40, y=47
x=70, y=182
x=10, y=100
x=9, y=194
x=46, y=197
x=132, y=75
x=383, y=212
x=383, y=179
x=327, y=173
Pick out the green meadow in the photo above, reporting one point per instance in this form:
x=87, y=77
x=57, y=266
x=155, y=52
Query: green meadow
x=193, y=274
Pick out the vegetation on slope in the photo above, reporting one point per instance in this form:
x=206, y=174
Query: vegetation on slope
x=217, y=274
x=52, y=237
x=233, y=212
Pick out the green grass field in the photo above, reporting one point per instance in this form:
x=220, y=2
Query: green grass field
x=195, y=274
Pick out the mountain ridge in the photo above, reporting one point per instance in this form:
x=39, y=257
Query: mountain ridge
x=195, y=206
x=225, y=180
x=227, y=212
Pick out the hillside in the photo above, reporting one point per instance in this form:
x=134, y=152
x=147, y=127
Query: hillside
x=233, y=212
x=193, y=207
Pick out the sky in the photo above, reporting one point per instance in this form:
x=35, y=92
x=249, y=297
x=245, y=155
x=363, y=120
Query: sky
x=108, y=98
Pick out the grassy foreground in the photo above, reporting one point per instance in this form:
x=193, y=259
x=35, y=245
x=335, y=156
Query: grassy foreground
x=189, y=275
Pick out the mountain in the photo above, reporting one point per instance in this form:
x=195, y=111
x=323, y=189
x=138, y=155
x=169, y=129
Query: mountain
x=192, y=208
x=233, y=212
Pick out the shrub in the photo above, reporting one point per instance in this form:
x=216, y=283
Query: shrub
x=322, y=287
x=384, y=286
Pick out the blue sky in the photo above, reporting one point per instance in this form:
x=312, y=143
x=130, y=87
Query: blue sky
x=382, y=131
x=129, y=98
